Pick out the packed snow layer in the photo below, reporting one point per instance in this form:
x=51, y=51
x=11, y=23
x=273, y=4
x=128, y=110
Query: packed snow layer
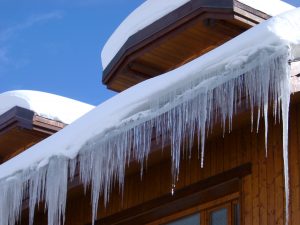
x=47, y=105
x=177, y=106
x=152, y=10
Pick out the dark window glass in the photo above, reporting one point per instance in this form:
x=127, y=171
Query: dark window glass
x=189, y=220
x=219, y=217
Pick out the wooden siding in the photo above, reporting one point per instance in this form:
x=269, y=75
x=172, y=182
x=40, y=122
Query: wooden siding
x=262, y=194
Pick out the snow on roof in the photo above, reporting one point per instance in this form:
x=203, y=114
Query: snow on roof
x=141, y=17
x=152, y=10
x=47, y=105
x=181, y=102
x=270, y=7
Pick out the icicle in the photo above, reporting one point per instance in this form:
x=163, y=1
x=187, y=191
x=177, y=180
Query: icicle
x=285, y=103
x=265, y=93
x=11, y=200
x=173, y=189
x=72, y=168
x=174, y=118
x=36, y=190
x=56, y=190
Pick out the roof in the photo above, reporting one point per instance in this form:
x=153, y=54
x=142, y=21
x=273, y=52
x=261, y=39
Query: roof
x=21, y=128
x=27, y=117
x=152, y=10
x=46, y=105
x=159, y=37
x=119, y=130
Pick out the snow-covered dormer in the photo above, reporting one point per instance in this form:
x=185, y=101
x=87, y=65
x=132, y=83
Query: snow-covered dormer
x=27, y=117
x=162, y=35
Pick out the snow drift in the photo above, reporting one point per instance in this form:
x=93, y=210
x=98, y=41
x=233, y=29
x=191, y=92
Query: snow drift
x=177, y=106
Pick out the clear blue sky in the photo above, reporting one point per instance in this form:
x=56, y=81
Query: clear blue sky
x=54, y=45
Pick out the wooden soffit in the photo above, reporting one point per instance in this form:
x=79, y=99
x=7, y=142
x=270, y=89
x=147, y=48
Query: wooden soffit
x=177, y=38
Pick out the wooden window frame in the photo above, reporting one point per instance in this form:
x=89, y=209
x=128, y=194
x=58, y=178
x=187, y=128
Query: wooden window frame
x=204, y=210
x=201, y=193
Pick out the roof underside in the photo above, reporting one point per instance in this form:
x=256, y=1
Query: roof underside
x=177, y=38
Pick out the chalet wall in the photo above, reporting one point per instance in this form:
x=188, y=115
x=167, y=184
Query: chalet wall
x=262, y=191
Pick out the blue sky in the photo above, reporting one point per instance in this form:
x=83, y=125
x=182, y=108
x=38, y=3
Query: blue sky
x=54, y=45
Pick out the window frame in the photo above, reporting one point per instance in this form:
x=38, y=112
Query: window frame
x=204, y=210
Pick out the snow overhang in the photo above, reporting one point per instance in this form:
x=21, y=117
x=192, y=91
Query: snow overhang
x=160, y=36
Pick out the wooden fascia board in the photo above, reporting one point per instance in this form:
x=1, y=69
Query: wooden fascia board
x=27, y=119
x=46, y=125
x=249, y=12
x=172, y=23
x=16, y=116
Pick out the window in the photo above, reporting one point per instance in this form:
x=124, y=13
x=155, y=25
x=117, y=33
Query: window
x=224, y=211
x=219, y=216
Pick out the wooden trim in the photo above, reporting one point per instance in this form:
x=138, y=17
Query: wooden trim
x=201, y=209
x=46, y=125
x=250, y=11
x=201, y=192
x=174, y=21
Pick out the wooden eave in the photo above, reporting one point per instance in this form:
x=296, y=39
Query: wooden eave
x=21, y=128
x=177, y=38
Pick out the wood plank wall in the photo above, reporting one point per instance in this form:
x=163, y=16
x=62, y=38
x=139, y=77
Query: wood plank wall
x=262, y=191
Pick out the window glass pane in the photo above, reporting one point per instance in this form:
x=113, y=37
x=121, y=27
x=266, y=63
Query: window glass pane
x=189, y=220
x=219, y=217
